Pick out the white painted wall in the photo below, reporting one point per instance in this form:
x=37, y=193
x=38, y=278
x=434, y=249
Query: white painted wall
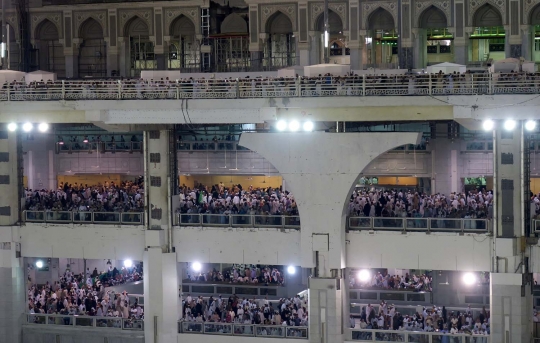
x=437, y=251
x=237, y=245
x=82, y=241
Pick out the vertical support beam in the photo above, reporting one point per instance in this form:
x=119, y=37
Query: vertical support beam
x=303, y=36
x=255, y=46
x=356, y=41
x=513, y=33
x=112, y=43
x=10, y=177
x=159, y=46
x=71, y=52
x=405, y=40
x=459, y=30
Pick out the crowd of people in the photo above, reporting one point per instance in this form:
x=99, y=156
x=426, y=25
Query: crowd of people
x=383, y=280
x=87, y=295
x=258, y=86
x=128, y=196
x=428, y=319
x=285, y=312
x=244, y=273
x=476, y=204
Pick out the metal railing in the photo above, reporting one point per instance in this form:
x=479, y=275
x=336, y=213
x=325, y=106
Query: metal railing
x=86, y=321
x=238, y=220
x=250, y=330
x=419, y=224
x=363, y=335
x=365, y=85
x=71, y=147
x=126, y=218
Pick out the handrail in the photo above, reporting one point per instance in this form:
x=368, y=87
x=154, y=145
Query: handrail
x=75, y=217
x=365, y=335
x=85, y=321
x=71, y=147
x=370, y=85
x=411, y=224
x=238, y=220
x=238, y=329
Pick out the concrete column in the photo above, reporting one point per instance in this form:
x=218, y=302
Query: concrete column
x=10, y=177
x=419, y=48
x=356, y=55
x=315, y=47
x=527, y=35
x=71, y=57
x=160, y=269
x=325, y=314
x=112, y=43
x=255, y=46
x=446, y=169
x=125, y=61
x=304, y=54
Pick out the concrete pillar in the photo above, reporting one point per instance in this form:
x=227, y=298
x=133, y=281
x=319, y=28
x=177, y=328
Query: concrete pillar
x=315, y=51
x=255, y=46
x=304, y=52
x=112, y=43
x=71, y=57
x=510, y=282
x=356, y=39
x=527, y=36
x=446, y=177
x=125, y=59
x=160, y=269
x=10, y=177
x=322, y=214
x=419, y=48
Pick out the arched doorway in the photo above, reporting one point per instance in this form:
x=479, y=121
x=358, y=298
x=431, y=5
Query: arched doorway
x=336, y=42
x=231, y=45
x=93, y=50
x=184, y=52
x=141, y=49
x=434, y=39
x=381, y=41
x=50, y=53
x=535, y=27
x=488, y=39
x=280, y=48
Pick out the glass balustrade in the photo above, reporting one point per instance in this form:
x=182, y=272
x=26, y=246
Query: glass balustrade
x=419, y=224
x=415, y=336
x=268, y=331
x=85, y=321
x=128, y=218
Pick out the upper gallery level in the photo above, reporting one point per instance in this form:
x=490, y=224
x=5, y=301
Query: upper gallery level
x=122, y=38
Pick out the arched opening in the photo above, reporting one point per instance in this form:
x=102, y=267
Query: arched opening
x=231, y=45
x=535, y=27
x=435, y=41
x=488, y=39
x=50, y=53
x=141, y=49
x=184, y=52
x=92, y=50
x=13, y=53
x=280, y=48
x=381, y=41
x=336, y=39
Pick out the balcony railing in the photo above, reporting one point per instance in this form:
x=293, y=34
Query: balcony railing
x=238, y=220
x=71, y=147
x=414, y=337
x=419, y=224
x=85, y=321
x=58, y=217
x=422, y=84
x=248, y=330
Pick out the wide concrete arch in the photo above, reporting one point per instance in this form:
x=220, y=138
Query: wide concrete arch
x=321, y=170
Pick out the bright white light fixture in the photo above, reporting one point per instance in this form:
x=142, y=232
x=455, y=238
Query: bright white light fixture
x=291, y=270
x=39, y=264
x=530, y=125
x=364, y=275
x=27, y=127
x=469, y=279
x=509, y=125
x=326, y=39
x=488, y=125
x=3, y=52
x=308, y=126
x=128, y=263
x=196, y=266
x=12, y=127
x=43, y=127
x=281, y=125
x=294, y=125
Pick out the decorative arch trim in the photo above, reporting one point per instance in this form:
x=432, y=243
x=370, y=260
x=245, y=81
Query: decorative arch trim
x=268, y=11
x=234, y=23
x=171, y=14
x=475, y=5
x=369, y=8
x=530, y=7
x=55, y=18
x=144, y=14
x=81, y=17
x=14, y=23
x=317, y=8
x=422, y=6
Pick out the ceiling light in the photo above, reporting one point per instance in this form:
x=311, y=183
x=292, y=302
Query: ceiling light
x=509, y=125
x=43, y=127
x=12, y=127
x=196, y=266
x=364, y=275
x=308, y=126
x=291, y=270
x=27, y=127
x=128, y=263
x=294, y=125
x=488, y=125
x=530, y=125
x=281, y=125
x=469, y=279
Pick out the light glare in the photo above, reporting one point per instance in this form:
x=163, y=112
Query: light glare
x=43, y=127
x=530, y=125
x=291, y=270
x=27, y=127
x=308, y=126
x=469, y=279
x=294, y=125
x=488, y=125
x=39, y=264
x=196, y=266
x=281, y=125
x=509, y=125
x=12, y=127
x=128, y=263
x=364, y=275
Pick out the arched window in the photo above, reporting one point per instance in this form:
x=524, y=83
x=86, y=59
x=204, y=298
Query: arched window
x=50, y=53
x=280, y=49
x=92, y=51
